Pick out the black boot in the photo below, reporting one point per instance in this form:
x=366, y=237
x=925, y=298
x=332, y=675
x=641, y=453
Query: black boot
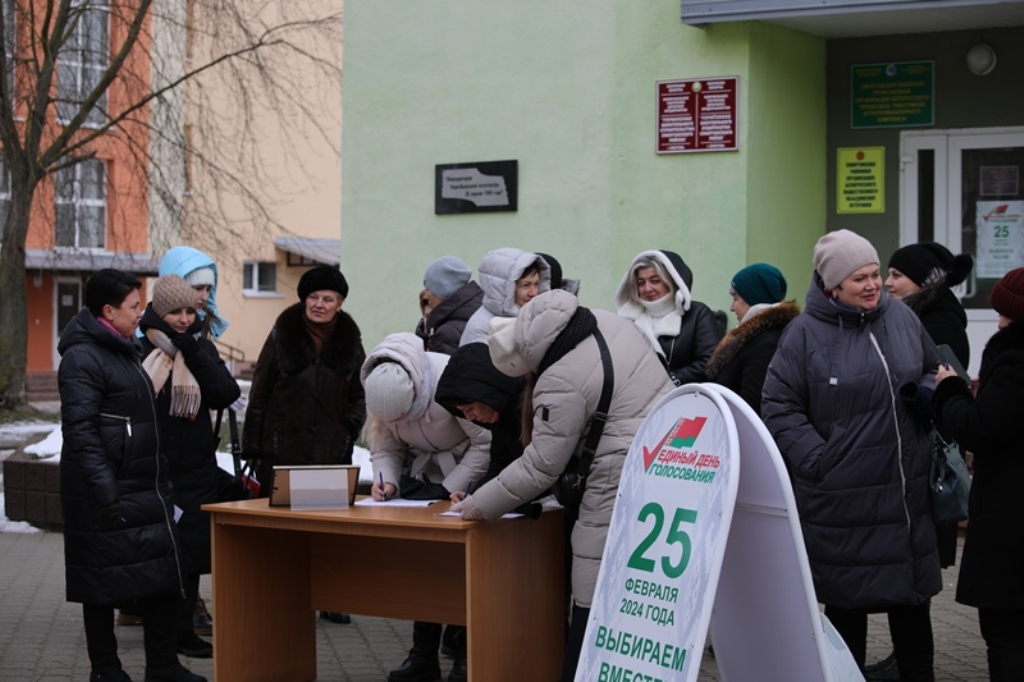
x=420, y=666
x=459, y=672
x=193, y=646
x=883, y=671
x=448, y=647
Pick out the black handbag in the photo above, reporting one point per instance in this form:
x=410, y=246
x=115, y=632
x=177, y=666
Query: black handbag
x=569, y=486
x=949, y=484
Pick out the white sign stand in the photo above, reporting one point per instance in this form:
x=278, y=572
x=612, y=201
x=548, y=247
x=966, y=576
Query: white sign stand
x=688, y=519
x=666, y=542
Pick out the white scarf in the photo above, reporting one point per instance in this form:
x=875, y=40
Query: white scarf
x=165, y=361
x=659, y=318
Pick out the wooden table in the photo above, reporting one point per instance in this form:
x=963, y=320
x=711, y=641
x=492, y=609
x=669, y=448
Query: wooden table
x=274, y=567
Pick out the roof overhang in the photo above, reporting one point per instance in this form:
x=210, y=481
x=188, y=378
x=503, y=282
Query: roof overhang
x=327, y=251
x=859, y=18
x=59, y=260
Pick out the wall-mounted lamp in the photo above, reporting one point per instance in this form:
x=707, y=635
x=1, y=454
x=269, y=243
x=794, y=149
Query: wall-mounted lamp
x=981, y=59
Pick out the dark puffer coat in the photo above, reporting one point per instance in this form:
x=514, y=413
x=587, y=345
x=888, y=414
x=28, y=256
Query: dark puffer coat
x=446, y=322
x=304, y=409
x=946, y=323
x=191, y=446
x=687, y=352
x=990, y=426
x=740, y=362
x=111, y=456
x=858, y=454
x=943, y=318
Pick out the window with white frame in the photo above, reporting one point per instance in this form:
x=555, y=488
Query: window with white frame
x=82, y=205
x=84, y=58
x=259, y=278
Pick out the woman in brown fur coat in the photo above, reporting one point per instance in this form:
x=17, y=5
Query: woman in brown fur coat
x=741, y=359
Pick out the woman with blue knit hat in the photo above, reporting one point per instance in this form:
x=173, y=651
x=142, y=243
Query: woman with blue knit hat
x=741, y=359
x=200, y=272
x=655, y=295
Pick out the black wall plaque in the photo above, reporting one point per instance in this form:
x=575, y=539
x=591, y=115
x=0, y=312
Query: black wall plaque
x=482, y=187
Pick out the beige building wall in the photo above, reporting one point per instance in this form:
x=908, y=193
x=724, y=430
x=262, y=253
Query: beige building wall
x=286, y=152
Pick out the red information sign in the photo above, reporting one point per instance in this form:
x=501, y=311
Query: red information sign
x=697, y=115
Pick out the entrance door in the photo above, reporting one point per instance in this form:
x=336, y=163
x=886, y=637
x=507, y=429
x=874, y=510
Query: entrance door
x=68, y=293
x=965, y=189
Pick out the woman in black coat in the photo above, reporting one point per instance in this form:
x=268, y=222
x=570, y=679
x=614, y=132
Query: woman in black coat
x=306, y=403
x=120, y=540
x=740, y=362
x=189, y=379
x=655, y=295
x=989, y=425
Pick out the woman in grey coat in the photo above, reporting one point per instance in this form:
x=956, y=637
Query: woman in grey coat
x=839, y=400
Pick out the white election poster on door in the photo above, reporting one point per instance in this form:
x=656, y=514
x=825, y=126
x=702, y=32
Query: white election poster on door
x=668, y=533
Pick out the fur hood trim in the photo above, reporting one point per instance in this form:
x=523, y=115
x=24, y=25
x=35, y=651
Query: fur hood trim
x=774, y=317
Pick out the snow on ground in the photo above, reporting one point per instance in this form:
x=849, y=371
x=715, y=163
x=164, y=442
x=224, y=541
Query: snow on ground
x=49, y=448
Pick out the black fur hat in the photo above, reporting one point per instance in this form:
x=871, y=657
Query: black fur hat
x=320, y=278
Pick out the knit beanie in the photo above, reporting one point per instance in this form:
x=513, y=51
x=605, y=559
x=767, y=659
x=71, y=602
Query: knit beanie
x=389, y=391
x=445, y=276
x=501, y=341
x=171, y=293
x=1007, y=296
x=839, y=254
x=919, y=261
x=760, y=283
x=322, y=278
x=201, y=277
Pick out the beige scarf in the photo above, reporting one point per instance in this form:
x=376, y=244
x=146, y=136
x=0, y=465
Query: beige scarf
x=165, y=361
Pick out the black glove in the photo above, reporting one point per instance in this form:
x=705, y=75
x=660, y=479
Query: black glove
x=428, y=491
x=186, y=343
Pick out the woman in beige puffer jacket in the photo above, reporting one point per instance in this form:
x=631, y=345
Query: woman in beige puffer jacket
x=553, y=339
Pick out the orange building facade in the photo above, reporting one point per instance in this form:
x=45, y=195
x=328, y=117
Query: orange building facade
x=94, y=214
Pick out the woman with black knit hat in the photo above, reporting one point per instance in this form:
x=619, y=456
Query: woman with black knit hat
x=189, y=379
x=989, y=425
x=923, y=275
x=741, y=359
x=306, y=403
x=655, y=295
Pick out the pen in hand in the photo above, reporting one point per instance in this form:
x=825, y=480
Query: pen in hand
x=383, y=491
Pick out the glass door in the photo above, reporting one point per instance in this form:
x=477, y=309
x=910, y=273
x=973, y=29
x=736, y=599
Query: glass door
x=964, y=188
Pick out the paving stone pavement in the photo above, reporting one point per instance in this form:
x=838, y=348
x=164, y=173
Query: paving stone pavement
x=42, y=639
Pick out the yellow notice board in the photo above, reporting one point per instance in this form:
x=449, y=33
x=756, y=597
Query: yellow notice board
x=860, y=180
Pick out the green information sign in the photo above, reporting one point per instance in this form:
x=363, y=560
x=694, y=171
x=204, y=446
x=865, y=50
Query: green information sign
x=896, y=95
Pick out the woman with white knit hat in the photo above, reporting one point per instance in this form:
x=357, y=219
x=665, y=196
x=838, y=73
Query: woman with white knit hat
x=839, y=399
x=421, y=451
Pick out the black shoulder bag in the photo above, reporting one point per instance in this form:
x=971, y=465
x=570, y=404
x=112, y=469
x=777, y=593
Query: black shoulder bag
x=568, y=488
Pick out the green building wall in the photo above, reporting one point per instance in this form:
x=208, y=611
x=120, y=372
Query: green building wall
x=568, y=90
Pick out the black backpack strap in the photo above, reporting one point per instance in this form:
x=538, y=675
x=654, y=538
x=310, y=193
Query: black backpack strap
x=600, y=417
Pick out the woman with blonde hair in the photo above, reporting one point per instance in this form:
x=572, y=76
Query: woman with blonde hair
x=655, y=295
